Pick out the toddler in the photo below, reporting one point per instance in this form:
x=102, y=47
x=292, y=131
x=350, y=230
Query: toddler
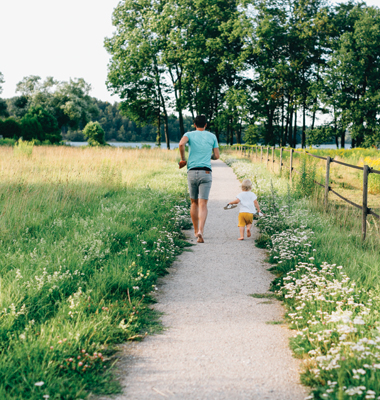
x=248, y=205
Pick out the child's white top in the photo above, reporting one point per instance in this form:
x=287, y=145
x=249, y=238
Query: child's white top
x=246, y=202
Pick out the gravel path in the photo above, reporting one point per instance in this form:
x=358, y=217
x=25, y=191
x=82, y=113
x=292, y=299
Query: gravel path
x=218, y=344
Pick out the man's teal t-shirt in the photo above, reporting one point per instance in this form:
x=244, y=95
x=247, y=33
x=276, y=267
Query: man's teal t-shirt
x=201, y=144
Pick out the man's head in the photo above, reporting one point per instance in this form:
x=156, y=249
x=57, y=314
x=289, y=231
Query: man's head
x=200, y=121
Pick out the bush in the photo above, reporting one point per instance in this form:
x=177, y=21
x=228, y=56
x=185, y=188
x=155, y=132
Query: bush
x=31, y=128
x=10, y=128
x=49, y=125
x=94, y=134
x=7, y=142
x=22, y=148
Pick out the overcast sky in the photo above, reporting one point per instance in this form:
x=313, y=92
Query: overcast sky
x=63, y=39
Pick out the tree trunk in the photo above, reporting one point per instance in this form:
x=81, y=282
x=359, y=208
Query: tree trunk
x=290, y=139
x=295, y=130
x=166, y=123
x=158, y=138
x=343, y=139
x=282, y=123
x=166, y=130
x=303, y=140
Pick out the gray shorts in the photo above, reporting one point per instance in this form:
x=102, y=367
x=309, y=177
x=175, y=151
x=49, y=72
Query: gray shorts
x=199, y=183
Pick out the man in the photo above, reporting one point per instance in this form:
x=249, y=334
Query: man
x=199, y=175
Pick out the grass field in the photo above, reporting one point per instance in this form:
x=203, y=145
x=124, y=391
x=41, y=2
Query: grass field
x=84, y=235
x=328, y=279
x=348, y=182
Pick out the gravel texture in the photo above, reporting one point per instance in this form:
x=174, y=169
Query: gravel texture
x=217, y=343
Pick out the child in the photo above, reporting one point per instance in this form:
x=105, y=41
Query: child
x=248, y=205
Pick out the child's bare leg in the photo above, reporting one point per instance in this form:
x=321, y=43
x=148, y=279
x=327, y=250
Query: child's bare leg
x=249, y=226
x=241, y=229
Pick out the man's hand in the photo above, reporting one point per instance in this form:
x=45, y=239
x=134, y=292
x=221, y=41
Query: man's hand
x=182, y=163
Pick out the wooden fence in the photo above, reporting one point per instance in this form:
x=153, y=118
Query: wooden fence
x=250, y=151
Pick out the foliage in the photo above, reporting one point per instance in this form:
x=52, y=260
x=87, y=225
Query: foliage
x=23, y=148
x=10, y=128
x=94, y=133
x=80, y=257
x=329, y=282
x=1, y=82
x=7, y=142
x=304, y=181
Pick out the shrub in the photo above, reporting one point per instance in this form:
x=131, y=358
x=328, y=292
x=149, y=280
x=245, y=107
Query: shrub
x=23, y=148
x=10, y=128
x=94, y=134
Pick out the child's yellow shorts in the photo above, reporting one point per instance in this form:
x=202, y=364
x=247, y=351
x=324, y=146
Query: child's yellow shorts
x=245, y=219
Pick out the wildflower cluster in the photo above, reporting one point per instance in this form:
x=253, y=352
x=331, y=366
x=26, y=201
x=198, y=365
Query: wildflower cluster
x=337, y=323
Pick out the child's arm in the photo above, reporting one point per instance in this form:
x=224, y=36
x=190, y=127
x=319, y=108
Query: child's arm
x=256, y=203
x=236, y=201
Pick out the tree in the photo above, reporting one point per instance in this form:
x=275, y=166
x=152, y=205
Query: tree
x=94, y=133
x=3, y=108
x=10, y=128
x=134, y=71
x=31, y=128
x=353, y=77
x=69, y=102
x=48, y=124
x=1, y=82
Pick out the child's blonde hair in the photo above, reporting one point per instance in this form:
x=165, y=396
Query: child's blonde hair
x=246, y=185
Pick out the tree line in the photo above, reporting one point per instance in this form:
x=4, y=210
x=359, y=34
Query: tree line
x=50, y=111
x=266, y=71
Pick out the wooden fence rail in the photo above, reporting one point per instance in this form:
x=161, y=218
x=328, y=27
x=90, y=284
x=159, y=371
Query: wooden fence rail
x=366, y=171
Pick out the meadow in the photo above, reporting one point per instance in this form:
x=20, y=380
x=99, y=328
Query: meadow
x=346, y=181
x=84, y=235
x=327, y=278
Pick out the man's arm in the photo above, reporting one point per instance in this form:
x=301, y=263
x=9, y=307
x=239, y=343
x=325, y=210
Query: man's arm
x=181, y=147
x=216, y=153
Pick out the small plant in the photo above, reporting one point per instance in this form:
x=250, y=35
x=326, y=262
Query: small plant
x=23, y=148
x=94, y=134
x=304, y=182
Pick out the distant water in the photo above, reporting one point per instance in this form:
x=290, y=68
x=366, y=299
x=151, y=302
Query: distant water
x=175, y=145
x=326, y=146
x=127, y=144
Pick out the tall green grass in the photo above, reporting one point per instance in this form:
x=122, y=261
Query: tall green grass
x=329, y=280
x=84, y=234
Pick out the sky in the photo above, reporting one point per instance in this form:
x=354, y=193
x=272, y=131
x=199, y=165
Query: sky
x=63, y=39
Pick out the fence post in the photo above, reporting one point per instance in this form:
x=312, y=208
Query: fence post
x=366, y=171
x=267, y=156
x=256, y=154
x=273, y=158
x=261, y=159
x=327, y=181
x=280, y=160
x=291, y=165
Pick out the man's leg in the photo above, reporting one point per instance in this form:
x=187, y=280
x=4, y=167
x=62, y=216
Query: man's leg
x=194, y=214
x=202, y=215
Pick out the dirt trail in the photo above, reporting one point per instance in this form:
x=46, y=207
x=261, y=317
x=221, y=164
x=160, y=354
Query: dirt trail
x=217, y=344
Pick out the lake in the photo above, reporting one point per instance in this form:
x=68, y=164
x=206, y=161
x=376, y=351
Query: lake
x=175, y=145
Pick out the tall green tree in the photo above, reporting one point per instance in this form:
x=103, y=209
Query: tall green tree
x=353, y=77
x=69, y=102
x=135, y=73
